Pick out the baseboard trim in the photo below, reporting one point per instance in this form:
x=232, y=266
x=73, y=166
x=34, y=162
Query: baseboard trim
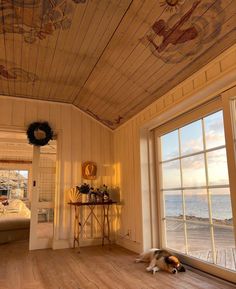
x=68, y=243
x=130, y=245
x=61, y=244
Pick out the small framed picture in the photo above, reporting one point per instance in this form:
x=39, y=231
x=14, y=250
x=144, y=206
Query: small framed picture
x=89, y=170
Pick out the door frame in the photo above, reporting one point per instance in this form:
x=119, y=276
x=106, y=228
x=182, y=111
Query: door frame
x=59, y=132
x=35, y=242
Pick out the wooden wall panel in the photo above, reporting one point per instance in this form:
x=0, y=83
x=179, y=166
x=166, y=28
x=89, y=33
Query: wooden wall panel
x=76, y=148
x=43, y=111
x=81, y=139
x=55, y=115
x=66, y=170
x=31, y=113
x=18, y=113
x=5, y=111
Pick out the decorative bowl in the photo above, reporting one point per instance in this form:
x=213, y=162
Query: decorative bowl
x=74, y=195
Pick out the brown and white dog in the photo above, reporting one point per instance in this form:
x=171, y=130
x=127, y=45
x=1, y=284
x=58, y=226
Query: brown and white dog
x=160, y=259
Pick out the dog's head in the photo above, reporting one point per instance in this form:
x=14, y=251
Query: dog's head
x=173, y=265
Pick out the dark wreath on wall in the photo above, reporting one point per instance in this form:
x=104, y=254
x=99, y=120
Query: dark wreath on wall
x=39, y=133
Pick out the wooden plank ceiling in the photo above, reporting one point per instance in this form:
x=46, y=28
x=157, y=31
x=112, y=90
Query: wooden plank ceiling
x=110, y=58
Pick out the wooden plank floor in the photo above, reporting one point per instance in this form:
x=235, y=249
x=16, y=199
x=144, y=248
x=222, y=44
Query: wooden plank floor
x=93, y=268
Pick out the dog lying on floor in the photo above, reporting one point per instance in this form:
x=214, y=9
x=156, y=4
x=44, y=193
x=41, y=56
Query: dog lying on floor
x=159, y=259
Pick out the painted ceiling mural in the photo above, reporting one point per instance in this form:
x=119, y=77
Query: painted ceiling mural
x=110, y=58
x=185, y=32
x=36, y=19
x=16, y=74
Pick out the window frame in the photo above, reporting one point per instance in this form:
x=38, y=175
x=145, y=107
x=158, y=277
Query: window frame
x=9, y=169
x=221, y=102
x=21, y=167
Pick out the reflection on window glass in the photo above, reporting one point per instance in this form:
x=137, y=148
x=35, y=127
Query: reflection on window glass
x=191, y=138
x=199, y=241
x=175, y=235
x=193, y=169
x=221, y=206
x=44, y=227
x=215, y=160
x=196, y=205
x=170, y=145
x=45, y=215
x=171, y=175
x=173, y=204
x=224, y=242
x=214, y=130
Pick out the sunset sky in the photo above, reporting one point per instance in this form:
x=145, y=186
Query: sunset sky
x=193, y=167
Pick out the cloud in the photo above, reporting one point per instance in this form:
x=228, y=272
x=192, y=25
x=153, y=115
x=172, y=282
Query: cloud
x=194, y=166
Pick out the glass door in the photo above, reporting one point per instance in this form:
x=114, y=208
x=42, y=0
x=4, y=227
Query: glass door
x=43, y=195
x=197, y=218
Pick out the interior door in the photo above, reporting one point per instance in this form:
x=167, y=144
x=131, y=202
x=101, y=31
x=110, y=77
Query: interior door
x=43, y=195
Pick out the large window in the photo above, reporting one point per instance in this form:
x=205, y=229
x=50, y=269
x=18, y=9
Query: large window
x=197, y=215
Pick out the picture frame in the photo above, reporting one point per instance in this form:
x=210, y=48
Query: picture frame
x=89, y=170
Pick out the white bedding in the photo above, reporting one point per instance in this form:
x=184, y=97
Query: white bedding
x=16, y=208
x=14, y=221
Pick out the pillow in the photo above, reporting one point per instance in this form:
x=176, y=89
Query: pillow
x=17, y=194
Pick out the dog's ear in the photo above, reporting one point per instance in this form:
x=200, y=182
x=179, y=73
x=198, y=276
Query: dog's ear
x=181, y=268
x=171, y=260
x=167, y=260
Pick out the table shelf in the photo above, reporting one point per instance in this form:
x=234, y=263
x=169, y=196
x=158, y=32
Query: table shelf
x=104, y=223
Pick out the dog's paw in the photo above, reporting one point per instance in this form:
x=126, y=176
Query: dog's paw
x=137, y=260
x=154, y=270
x=149, y=269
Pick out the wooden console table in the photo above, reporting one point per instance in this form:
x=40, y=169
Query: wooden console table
x=104, y=223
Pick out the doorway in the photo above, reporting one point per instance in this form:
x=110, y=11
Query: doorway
x=27, y=190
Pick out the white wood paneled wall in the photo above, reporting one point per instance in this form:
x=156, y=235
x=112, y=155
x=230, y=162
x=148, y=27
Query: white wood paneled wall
x=127, y=140
x=80, y=138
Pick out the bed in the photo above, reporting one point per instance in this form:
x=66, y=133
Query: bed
x=14, y=221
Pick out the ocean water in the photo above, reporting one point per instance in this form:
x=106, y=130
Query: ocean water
x=198, y=206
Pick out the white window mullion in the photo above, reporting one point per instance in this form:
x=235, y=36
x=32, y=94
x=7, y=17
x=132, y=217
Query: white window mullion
x=229, y=112
x=161, y=206
x=194, y=154
x=183, y=195
x=209, y=196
